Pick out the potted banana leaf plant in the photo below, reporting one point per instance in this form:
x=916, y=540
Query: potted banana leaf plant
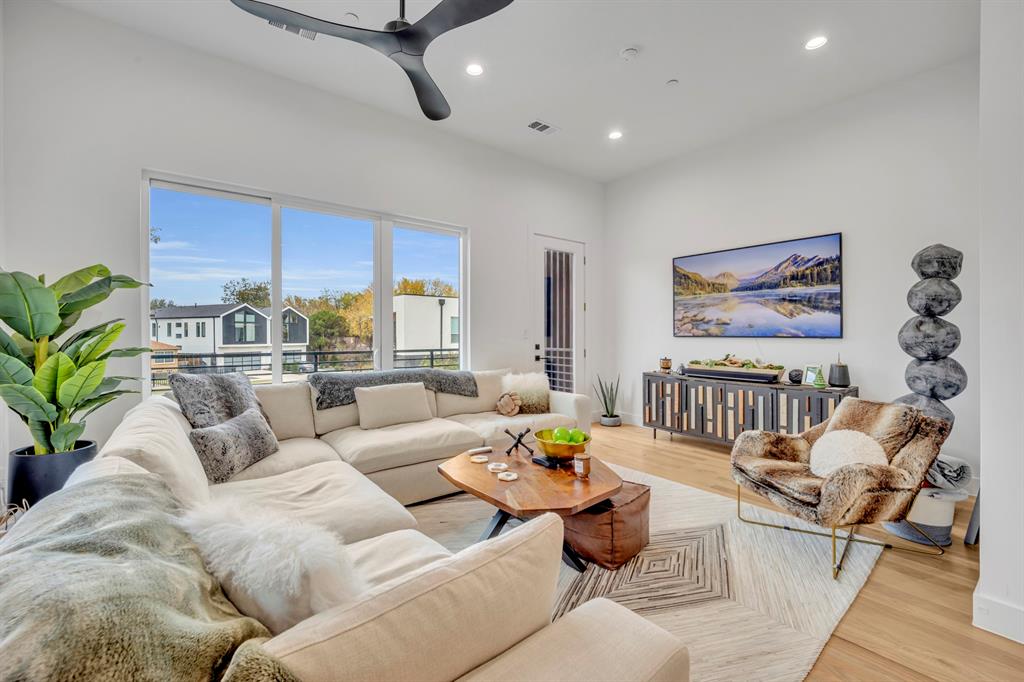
x=52, y=378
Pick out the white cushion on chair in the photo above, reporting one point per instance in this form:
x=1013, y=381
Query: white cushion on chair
x=838, y=448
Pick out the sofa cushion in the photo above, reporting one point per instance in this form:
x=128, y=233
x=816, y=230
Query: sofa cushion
x=211, y=399
x=401, y=444
x=792, y=479
x=292, y=454
x=287, y=407
x=393, y=555
x=381, y=406
x=488, y=386
x=102, y=467
x=597, y=641
x=154, y=435
x=232, y=446
x=334, y=418
x=331, y=494
x=440, y=622
x=491, y=426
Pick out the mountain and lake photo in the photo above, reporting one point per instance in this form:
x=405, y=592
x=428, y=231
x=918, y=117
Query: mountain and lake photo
x=791, y=288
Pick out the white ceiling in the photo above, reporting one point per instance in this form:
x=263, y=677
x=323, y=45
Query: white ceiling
x=740, y=64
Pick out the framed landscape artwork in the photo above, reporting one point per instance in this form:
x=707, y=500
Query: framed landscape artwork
x=792, y=289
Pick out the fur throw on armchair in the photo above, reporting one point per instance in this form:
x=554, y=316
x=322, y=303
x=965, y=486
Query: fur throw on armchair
x=777, y=466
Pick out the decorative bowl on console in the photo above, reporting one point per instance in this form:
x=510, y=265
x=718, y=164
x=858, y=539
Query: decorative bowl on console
x=731, y=367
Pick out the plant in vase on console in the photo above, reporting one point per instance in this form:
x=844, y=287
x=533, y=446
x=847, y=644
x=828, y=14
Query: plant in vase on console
x=52, y=381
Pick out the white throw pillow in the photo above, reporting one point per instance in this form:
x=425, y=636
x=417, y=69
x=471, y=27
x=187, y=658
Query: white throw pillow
x=274, y=569
x=392, y=404
x=532, y=388
x=836, y=449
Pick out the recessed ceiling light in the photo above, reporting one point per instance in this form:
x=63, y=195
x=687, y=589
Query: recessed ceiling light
x=350, y=19
x=474, y=69
x=672, y=82
x=615, y=135
x=815, y=42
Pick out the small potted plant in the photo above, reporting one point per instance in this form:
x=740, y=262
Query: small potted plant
x=609, y=395
x=52, y=379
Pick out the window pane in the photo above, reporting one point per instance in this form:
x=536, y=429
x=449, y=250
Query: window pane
x=207, y=255
x=426, y=298
x=327, y=270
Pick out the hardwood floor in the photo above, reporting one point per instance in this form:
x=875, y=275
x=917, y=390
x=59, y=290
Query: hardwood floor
x=912, y=620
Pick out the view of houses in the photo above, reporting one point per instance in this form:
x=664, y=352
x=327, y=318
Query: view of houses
x=328, y=332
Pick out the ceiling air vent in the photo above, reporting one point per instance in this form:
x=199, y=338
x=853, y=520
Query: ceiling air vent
x=542, y=127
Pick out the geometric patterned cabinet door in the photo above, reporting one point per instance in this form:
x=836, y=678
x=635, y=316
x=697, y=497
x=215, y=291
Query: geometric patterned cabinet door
x=722, y=410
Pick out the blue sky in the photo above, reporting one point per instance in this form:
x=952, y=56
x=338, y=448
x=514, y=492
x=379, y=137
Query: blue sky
x=206, y=241
x=754, y=260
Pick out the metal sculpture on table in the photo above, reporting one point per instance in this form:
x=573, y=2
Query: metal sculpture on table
x=517, y=441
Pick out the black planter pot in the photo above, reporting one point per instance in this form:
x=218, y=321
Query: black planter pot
x=32, y=477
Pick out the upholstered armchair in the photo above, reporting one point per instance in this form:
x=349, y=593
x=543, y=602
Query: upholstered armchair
x=778, y=467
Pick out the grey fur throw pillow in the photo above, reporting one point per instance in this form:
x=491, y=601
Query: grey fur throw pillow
x=238, y=443
x=210, y=399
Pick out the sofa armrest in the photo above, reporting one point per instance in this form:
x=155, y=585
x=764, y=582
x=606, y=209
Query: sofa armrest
x=771, y=445
x=575, y=405
x=883, y=488
x=597, y=641
x=442, y=621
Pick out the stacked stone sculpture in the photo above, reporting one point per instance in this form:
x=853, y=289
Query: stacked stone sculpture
x=932, y=375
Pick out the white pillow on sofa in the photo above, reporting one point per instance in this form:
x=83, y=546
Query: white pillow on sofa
x=277, y=570
x=392, y=404
x=838, y=448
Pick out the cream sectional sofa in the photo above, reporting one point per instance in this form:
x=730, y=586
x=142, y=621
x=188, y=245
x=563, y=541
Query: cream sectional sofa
x=482, y=614
x=402, y=459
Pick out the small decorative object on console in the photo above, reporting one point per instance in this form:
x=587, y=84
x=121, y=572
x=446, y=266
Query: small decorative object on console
x=732, y=367
x=839, y=374
x=665, y=364
x=796, y=376
x=812, y=374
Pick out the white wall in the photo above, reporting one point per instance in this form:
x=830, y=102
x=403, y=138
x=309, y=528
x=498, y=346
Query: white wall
x=999, y=596
x=90, y=104
x=894, y=170
x=3, y=237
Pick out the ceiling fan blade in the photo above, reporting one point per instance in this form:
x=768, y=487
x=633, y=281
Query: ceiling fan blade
x=382, y=41
x=448, y=14
x=431, y=99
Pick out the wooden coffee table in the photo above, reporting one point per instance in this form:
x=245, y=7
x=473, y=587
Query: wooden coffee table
x=538, y=490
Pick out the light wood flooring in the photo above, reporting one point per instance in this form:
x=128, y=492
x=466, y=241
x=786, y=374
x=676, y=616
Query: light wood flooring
x=912, y=620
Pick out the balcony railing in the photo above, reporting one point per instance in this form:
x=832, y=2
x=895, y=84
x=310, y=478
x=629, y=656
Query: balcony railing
x=296, y=364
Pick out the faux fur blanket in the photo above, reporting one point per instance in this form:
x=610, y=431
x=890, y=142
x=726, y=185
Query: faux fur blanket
x=334, y=389
x=97, y=582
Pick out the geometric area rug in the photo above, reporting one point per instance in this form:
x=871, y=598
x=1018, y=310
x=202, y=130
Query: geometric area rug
x=750, y=603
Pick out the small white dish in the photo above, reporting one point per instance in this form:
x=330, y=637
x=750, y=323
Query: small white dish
x=478, y=459
x=495, y=467
x=508, y=476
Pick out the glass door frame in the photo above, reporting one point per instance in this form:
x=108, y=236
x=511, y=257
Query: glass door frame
x=538, y=244
x=383, y=265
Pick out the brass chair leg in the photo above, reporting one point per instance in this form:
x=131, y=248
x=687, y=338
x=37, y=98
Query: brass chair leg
x=837, y=566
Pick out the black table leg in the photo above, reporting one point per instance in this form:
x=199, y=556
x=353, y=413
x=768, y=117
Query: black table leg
x=495, y=525
x=572, y=559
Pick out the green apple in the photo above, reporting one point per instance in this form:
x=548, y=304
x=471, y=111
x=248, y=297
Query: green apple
x=577, y=436
x=561, y=435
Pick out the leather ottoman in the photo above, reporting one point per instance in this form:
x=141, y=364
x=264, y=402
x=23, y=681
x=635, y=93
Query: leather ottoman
x=614, y=531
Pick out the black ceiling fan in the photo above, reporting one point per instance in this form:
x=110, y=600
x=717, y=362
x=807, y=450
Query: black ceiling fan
x=402, y=42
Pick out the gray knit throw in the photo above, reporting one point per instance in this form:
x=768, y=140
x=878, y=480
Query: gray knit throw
x=334, y=389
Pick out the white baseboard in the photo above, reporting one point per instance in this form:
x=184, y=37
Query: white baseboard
x=999, y=617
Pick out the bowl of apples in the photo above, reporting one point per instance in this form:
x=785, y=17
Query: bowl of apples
x=562, y=443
